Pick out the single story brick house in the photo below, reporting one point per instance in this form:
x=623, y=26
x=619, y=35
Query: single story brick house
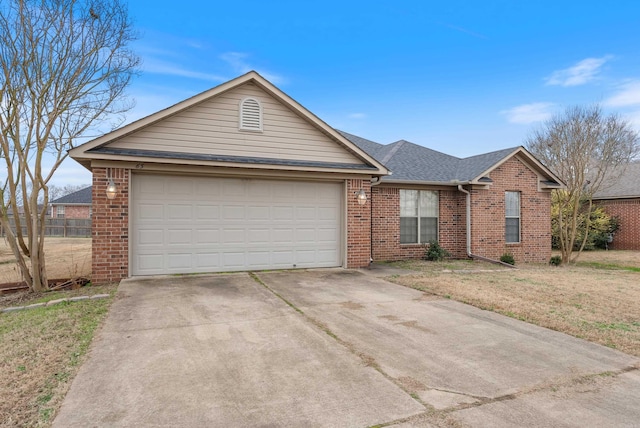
x=621, y=199
x=76, y=205
x=242, y=177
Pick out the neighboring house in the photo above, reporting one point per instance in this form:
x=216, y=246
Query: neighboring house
x=76, y=205
x=242, y=177
x=621, y=199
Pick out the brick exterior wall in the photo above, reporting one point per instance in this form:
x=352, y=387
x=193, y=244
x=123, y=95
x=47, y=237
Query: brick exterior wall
x=487, y=219
x=358, y=225
x=110, y=226
x=452, y=225
x=386, y=225
x=71, y=211
x=488, y=216
x=628, y=212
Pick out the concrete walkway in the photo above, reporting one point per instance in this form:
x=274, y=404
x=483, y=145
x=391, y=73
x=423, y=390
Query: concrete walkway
x=335, y=348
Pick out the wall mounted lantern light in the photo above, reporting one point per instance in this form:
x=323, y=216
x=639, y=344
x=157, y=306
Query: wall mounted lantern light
x=361, y=196
x=111, y=189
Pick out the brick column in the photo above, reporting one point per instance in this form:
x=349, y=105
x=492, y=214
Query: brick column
x=358, y=225
x=110, y=226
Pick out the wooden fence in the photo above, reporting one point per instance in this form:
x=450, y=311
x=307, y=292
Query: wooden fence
x=66, y=227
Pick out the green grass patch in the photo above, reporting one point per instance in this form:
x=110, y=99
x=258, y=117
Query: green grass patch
x=42, y=350
x=608, y=266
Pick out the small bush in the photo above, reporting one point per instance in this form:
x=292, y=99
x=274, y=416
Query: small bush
x=435, y=252
x=555, y=261
x=508, y=258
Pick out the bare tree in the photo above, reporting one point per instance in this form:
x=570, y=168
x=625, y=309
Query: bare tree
x=583, y=146
x=64, y=66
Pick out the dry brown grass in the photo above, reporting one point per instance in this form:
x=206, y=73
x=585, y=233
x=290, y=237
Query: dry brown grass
x=600, y=304
x=65, y=258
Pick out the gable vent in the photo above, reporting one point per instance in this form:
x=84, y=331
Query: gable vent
x=250, y=115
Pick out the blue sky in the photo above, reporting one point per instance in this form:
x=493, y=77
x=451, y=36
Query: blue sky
x=460, y=77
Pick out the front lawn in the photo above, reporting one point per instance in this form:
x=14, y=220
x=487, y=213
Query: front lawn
x=42, y=350
x=597, y=300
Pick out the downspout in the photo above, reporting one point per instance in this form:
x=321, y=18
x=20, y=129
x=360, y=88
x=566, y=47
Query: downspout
x=468, y=218
x=374, y=182
x=469, y=253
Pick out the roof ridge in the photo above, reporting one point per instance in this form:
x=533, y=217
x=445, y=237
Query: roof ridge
x=393, y=151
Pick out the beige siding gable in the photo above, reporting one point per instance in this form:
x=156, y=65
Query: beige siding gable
x=212, y=128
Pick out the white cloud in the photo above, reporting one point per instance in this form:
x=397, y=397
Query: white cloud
x=161, y=67
x=583, y=72
x=628, y=95
x=238, y=61
x=357, y=116
x=529, y=113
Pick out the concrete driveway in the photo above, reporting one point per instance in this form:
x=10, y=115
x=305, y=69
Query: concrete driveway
x=335, y=348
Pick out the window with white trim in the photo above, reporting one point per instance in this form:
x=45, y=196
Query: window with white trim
x=60, y=211
x=512, y=217
x=418, y=216
x=250, y=115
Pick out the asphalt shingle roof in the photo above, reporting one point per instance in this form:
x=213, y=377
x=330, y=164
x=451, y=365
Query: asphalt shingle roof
x=82, y=196
x=624, y=186
x=411, y=162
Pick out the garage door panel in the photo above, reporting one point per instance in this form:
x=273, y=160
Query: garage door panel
x=179, y=237
x=258, y=213
x=282, y=213
x=282, y=236
x=328, y=237
x=325, y=256
x=179, y=188
x=259, y=236
x=233, y=236
x=233, y=212
x=207, y=212
x=153, y=237
x=187, y=224
x=179, y=261
x=328, y=213
x=207, y=261
x=306, y=213
x=306, y=236
x=150, y=263
x=150, y=212
x=234, y=260
x=233, y=187
x=207, y=236
x=283, y=190
x=179, y=212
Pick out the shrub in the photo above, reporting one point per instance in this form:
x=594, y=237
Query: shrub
x=555, y=261
x=602, y=226
x=508, y=258
x=435, y=252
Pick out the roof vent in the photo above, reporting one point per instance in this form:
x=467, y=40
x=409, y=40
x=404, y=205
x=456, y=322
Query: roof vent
x=250, y=115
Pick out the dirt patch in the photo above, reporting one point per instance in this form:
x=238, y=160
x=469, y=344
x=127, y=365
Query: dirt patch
x=351, y=305
x=416, y=326
x=65, y=258
x=410, y=384
x=389, y=317
x=596, y=304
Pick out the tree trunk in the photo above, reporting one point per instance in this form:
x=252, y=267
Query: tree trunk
x=15, y=249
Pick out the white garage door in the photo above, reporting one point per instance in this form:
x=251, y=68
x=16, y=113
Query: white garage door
x=197, y=224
